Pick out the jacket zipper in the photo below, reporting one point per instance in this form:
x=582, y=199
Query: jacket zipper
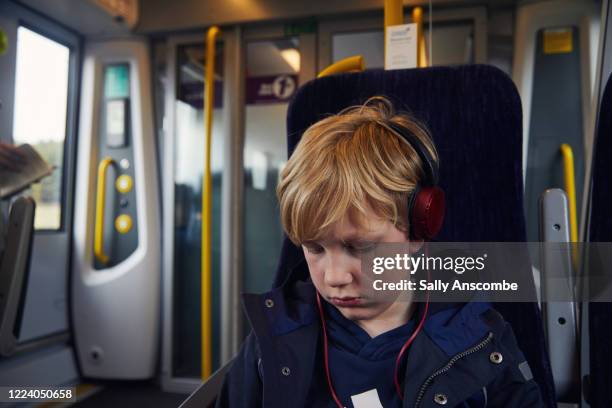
x=448, y=365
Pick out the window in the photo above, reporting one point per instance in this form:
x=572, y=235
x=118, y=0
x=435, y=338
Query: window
x=452, y=44
x=41, y=101
x=272, y=68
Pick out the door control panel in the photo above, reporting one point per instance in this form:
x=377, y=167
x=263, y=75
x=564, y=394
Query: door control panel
x=118, y=229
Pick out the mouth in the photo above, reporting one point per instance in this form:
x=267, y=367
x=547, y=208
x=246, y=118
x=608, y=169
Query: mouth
x=346, y=301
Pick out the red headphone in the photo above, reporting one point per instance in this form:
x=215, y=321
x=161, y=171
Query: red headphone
x=426, y=208
x=426, y=205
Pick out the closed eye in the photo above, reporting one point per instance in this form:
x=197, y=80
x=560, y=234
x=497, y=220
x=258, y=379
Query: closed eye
x=314, y=248
x=360, y=247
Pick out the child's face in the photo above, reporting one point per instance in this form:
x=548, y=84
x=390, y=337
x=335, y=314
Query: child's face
x=334, y=262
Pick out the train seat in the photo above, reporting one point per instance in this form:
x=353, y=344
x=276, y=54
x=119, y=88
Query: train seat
x=474, y=114
x=600, y=230
x=14, y=270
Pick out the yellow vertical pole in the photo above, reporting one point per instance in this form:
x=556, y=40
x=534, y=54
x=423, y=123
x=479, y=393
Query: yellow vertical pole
x=394, y=15
x=570, y=189
x=206, y=267
x=417, y=17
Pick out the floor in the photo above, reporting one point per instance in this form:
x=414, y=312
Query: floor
x=131, y=394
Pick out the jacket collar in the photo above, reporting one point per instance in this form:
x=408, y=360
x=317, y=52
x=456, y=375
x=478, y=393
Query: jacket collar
x=452, y=326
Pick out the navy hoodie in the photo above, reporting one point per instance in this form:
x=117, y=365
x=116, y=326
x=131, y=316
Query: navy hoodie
x=362, y=367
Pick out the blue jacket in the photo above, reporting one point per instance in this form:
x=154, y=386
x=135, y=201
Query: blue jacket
x=465, y=356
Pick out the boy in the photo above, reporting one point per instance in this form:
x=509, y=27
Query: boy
x=349, y=186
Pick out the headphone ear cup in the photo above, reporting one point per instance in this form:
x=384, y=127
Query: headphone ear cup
x=426, y=209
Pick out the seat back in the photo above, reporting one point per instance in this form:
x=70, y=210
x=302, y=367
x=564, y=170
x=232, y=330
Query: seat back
x=474, y=114
x=600, y=230
x=14, y=272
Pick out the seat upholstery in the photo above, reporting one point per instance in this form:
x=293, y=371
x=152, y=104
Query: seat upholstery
x=474, y=114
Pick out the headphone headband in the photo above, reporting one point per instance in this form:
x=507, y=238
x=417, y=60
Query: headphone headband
x=430, y=166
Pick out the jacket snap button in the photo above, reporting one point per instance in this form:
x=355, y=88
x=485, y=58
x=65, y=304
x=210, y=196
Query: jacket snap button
x=496, y=357
x=269, y=303
x=440, y=399
x=286, y=371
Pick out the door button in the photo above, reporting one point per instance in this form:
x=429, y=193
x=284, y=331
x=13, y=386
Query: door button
x=123, y=223
x=124, y=184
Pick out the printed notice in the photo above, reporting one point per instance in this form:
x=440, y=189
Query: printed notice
x=401, y=47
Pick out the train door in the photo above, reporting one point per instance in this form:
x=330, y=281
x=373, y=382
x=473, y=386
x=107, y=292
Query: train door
x=279, y=59
x=260, y=67
x=183, y=158
x=38, y=105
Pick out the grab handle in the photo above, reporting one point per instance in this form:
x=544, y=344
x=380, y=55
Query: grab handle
x=100, y=204
x=349, y=64
x=570, y=189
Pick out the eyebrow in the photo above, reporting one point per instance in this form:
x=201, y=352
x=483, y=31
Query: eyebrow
x=351, y=238
x=361, y=239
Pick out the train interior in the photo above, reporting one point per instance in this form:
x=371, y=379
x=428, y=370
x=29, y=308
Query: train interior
x=108, y=281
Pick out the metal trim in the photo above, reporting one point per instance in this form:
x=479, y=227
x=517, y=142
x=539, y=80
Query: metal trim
x=232, y=195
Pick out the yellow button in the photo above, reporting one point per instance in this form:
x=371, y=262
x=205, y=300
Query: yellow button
x=123, y=223
x=124, y=184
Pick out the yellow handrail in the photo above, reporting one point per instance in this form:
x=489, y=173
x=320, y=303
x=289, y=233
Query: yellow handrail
x=417, y=17
x=349, y=64
x=100, y=207
x=570, y=189
x=206, y=267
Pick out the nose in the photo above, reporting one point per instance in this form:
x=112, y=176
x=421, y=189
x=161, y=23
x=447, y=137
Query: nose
x=338, y=271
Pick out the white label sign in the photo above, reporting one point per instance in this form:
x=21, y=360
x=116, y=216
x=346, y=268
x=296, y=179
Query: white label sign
x=115, y=117
x=368, y=399
x=401, y=46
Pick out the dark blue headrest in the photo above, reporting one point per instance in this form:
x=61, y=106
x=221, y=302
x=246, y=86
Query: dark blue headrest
x=474, y=115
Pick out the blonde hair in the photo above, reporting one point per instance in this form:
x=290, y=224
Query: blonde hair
x=348, y=161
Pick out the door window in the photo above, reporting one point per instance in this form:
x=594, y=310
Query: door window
x=41, y=101
x=272, y=71
x=188, y=175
